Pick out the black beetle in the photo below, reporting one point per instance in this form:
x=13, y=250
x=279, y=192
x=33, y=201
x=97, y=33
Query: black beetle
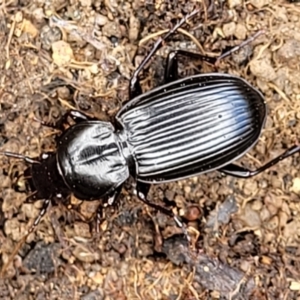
x=183, y=128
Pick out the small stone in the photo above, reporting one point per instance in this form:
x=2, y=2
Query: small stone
x=296, y=185
x=290, y=53
x=295, y=286
x=240, y=31
x=29, y=28
x=192, y=213
x=86, y=3
x=112, y=29
x=234, y=3
x=179, y=200
x=82, y=229
x=249, y=187
x=63, y=92
x=19, y=17
x=251, y=217
x=97, y=277
x=256, y=205
x=134, y=28
x=266, y=260
x=273, y=223
x=62, y=53
x=259, y=3
x=263, y=69
x=49, y=35
x=264, y=214
x=84, y=255
x=100, y=20
x=229, y=29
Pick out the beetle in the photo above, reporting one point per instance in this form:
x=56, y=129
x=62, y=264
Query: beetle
x=183, y=128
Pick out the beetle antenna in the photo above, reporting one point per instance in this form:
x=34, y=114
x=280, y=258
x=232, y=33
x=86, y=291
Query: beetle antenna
x=42, y=212
x=20, y=156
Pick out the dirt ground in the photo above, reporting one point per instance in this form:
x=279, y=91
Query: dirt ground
x=245, y=233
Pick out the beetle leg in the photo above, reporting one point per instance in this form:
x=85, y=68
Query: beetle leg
x=75, y=115
x=27, y=159
x=42, y=212
x=142, y=191
x=241, y=45
x=241, y=172
x=114, y=197
x=134, y=86
x=171, y=71
x=111, y=201
x=99, y=217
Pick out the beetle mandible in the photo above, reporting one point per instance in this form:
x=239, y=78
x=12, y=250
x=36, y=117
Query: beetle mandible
x=183, y=128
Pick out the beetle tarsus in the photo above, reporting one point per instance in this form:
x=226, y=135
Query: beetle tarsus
x=99, y=218
x=241, y=172
x=241, y=45
x=142, y=191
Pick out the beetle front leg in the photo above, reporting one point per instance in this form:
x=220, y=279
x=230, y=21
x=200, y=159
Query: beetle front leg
x=75, y=115
x=134, y=85
x=142, y=191
x=110, y=201
x=241, y=172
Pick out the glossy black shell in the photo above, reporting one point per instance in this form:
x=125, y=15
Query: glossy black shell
x=91, y=159
x=181, y=129
x=192, y=126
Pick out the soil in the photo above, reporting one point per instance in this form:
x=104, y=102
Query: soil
x=245, y=233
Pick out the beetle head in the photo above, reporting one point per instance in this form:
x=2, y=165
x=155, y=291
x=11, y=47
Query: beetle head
x=44, y=180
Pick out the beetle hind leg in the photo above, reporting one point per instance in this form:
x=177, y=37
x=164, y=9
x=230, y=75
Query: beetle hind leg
x=241, y=172
x=142, y=191
x=241, y=45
